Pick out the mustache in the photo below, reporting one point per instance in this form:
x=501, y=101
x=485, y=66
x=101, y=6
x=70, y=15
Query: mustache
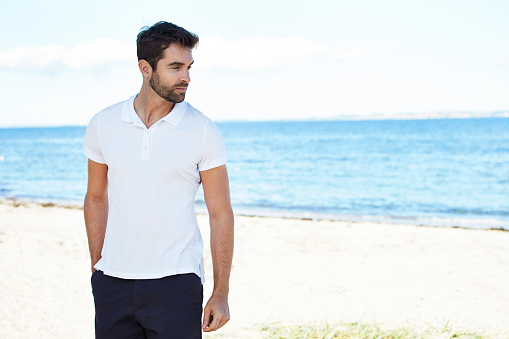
x=182, y=84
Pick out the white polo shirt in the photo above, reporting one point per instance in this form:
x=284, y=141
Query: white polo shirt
x=153, y=174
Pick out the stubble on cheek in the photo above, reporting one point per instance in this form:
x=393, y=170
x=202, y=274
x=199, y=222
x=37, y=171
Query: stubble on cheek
x=165, y=92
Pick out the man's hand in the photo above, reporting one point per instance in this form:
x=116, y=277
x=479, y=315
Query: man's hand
x=215, y=314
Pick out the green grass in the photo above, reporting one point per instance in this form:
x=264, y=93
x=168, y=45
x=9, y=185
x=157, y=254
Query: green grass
x=361, y=331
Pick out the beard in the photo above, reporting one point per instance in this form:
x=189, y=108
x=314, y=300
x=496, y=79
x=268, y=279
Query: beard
x=165, y=92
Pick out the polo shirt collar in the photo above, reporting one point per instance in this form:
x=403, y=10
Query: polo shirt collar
x=173, y=118
x=176, y=114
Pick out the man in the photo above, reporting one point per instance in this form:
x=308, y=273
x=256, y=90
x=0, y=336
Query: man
x=152, y=152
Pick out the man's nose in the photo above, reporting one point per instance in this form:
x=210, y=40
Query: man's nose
x=186, y=77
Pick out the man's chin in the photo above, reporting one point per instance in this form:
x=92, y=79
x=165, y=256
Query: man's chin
x=179, y=100
x=175, y=99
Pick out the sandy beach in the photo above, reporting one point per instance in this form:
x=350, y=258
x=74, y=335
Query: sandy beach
x=284, y=270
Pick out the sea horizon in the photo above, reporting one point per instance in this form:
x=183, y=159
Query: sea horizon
x=501, y=114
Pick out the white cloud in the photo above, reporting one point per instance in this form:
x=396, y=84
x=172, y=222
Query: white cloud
x=99, y=52
x=214, y=53
x=32, y=57
x=83, y=56
x=256, y=53
x=349, y=54
x=402, y=49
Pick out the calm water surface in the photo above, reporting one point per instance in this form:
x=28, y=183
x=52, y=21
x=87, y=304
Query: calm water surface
x=451, y=172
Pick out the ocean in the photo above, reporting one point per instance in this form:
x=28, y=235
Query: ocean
x=443, y=172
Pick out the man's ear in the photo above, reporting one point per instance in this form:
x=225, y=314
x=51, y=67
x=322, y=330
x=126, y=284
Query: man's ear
x=145, y=68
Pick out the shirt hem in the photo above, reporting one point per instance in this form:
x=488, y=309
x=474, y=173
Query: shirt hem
x=143, y=276
x=93, y=157
x=212, y=165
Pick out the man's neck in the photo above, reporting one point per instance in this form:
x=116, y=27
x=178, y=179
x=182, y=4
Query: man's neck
x=150, y=107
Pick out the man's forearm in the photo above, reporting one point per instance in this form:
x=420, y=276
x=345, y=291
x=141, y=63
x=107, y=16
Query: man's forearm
x=221, y=244
x=96, y=217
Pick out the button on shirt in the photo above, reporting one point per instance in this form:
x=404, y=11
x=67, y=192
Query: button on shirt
x=153, y=176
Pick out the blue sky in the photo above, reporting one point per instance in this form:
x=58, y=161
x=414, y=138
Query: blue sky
x=62, y=61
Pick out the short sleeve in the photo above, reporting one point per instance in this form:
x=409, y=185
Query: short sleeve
x=92, y=147
x=213, y=151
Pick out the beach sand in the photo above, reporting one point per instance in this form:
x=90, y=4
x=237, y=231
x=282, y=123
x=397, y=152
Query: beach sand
x=284, y=270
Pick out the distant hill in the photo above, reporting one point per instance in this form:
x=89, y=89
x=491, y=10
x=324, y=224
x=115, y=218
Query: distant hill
x=427, y=115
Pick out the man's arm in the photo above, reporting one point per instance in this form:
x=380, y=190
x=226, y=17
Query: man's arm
x=217, y=198
x=96, y=209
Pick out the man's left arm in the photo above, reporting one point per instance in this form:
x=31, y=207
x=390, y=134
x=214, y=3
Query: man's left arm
x=217, y=198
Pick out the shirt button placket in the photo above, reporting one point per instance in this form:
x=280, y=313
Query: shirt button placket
x=145, y=146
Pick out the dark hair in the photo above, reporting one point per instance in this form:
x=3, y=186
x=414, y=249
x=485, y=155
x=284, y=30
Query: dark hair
x=152, y=41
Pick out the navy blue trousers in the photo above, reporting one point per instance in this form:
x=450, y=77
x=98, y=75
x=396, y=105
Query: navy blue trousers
x=170, y=307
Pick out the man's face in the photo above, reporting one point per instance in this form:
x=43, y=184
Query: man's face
x=171, y=77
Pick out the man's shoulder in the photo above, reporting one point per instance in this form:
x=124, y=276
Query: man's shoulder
x=196, y=114
x=111, y=113
x=114, y=109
